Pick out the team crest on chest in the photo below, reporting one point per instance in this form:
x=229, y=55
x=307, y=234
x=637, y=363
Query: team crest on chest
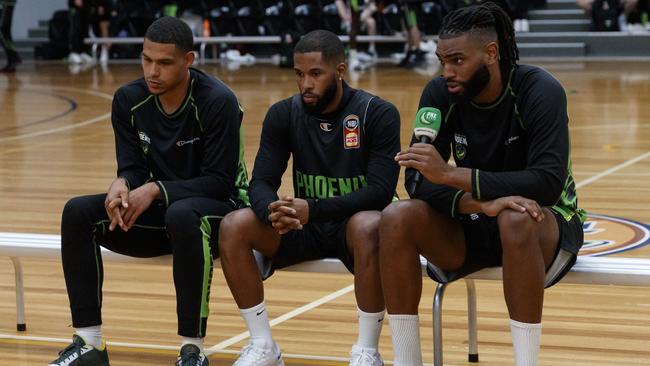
x=351, y=136
x=460, y=144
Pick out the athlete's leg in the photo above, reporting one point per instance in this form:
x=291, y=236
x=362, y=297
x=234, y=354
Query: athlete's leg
x=528, y=250
x=362, y=240
x=241, y=232
x=407, y=229
x=363, y=243
x=84, y=227
x=193, y=228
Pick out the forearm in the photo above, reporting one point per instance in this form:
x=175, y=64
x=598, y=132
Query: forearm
x=468, y=205
x=459, y=178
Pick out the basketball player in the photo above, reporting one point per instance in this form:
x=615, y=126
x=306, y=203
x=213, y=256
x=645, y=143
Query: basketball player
x=414, y=57
x=177, y=136
x=6, y=16
x=510, y=200
x=356, y=12
x=342, y=142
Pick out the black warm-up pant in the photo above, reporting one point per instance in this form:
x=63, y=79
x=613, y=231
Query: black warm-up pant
x=187, y=229
x=6, y=17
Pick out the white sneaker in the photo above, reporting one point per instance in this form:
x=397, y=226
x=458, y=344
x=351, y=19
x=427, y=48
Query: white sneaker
x=103, y=55
x=253, y=355
x=366, y=58
x=357, y=65
x=360, y=356
x=74, y=58
x=86, y=58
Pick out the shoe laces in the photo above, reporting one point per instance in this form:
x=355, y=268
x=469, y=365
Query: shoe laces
x=251, y=354
x=190, y=359
x=71, y=348
x=361, y=356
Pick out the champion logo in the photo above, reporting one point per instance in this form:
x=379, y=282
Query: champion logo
x=180, y=143
x=326, y=126
x=511, y=140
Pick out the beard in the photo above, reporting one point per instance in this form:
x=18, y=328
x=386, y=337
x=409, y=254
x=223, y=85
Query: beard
x=476, y=83
x=323, y=100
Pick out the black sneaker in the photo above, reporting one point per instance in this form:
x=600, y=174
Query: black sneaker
x=11, y=64
x=78, y=353
x=191, y=355
x=410, y=55
x=418, y=60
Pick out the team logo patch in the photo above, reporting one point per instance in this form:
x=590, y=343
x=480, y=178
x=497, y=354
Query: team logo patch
x=351, y=137
x=460, y=146
x=326, y=126
x=609, y=235
x=351, y=122
x=145, y=142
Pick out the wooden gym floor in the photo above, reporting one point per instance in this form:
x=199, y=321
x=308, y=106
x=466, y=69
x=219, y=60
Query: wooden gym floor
x=56, y=142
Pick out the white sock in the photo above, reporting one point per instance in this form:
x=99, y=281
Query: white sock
x=369, y=328
x=371, y=48
x=257, y=320
x=195, y=341
x=406, y=339
x=91, y=335
x=525, y=341
x=352, y=55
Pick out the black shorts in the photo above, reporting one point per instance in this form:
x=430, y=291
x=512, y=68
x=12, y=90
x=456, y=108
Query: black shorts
x=483, y=247
x=315, y=241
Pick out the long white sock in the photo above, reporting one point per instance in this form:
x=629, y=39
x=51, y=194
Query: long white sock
x=257, y=320
x=406, y=339
x=525, y=341
x=195, y=341
x=369, y=328
x=91, y=335
x=352, y=55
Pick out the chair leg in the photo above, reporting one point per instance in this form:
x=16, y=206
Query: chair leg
x=20, y=295
x=471, y=321
x=437, y=323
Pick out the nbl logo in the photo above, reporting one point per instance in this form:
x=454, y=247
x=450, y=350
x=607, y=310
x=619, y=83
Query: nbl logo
x=351, y=133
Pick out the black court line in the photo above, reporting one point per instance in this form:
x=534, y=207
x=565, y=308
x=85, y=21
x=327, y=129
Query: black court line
x=72, y=106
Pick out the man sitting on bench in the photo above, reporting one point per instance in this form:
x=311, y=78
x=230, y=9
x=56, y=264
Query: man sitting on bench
x=179, y=167
x=343, y=141
x=510, y=200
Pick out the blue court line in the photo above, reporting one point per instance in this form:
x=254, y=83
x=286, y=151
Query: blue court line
x=71, y=108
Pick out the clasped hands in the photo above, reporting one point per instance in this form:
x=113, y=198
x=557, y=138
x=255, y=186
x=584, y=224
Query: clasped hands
x=288, y=213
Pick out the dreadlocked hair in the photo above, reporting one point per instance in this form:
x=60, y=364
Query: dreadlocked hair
x=483, y=20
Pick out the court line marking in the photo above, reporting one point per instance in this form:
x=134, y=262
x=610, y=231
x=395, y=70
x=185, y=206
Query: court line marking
x=609, y=126
x=69, y=127
x=612, y=170
x=633, y=175
x=282, y=318
x=72, y=106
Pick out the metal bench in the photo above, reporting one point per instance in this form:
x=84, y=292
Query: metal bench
x=586, y=271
